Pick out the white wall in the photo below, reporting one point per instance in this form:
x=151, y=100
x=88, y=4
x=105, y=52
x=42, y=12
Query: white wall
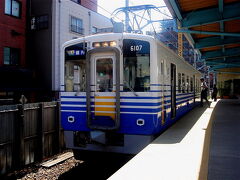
x=62, y=32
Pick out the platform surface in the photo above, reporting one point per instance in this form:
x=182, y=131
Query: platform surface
x=177, y=154
x=224, y=156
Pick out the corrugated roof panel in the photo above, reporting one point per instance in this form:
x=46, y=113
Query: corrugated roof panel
x=190, y=5
x=232, y=45
x=210, y=49
x=230, y=1
x=232, y=26
x=209, y=27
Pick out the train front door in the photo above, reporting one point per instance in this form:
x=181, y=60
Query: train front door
x=103, y=91
x=173, y=90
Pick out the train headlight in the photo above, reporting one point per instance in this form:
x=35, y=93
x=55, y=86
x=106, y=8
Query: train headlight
x=113, y=43
x=104, y=44
x=96, y=44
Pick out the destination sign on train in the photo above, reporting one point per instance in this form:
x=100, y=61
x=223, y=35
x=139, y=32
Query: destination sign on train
x=75, y=52
x=133, y=47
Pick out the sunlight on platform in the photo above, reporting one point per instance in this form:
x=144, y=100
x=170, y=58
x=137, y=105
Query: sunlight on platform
x=176, y=154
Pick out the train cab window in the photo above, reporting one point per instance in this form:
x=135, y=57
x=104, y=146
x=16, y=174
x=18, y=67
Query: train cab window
x=136, y=65
x=75, y=68
x=183, y=83
x=179, y=82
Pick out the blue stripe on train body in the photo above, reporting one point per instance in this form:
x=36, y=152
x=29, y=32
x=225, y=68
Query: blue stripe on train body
x=152, y=115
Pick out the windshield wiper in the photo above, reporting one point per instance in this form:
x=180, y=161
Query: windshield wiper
x=131, y=89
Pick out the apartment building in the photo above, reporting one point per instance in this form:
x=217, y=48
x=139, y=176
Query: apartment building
x=54, y=22
x=14, y=75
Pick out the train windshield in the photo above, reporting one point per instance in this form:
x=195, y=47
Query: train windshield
x=136, y=63
x=75, y=65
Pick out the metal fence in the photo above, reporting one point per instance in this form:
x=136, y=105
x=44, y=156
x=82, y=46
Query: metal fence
x=29, y=133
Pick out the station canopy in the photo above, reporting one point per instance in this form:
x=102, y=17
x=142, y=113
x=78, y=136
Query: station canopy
x=212, y=27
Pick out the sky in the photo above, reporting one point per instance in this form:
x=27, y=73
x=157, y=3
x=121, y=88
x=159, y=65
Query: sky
x=107, y=7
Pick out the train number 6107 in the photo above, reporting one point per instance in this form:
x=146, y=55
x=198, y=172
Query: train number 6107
x=136, y=48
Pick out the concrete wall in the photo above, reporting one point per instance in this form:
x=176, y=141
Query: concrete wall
x=228, y=75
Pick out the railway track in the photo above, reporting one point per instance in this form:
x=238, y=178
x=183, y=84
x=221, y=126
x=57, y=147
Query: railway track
x=71, y=168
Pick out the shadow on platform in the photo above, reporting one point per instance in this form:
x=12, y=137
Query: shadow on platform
x=177, y=132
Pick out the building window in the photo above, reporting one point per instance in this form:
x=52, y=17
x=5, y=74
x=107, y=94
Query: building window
x=13, y=8
x=39, y=22
x=77, y=1
x=11, y=56
x=76, y=25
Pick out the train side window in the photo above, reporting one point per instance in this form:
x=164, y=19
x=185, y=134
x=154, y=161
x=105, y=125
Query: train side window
x=191, y=84
x=187, y=84
x=162, y=67
x=179, y=82
x=183, y=83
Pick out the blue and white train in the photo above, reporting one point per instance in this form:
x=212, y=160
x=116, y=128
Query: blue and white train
x=120, y=90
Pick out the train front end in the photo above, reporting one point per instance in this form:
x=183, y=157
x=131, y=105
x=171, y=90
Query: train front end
x=106, y=102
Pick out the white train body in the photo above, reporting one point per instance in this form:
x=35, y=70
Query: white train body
x=121, y=90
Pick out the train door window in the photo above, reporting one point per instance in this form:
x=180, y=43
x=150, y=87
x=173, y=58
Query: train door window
x=187, y=84
x=75, y=68
x=179, y=82
x=104, y=76
x=191, y=84
x=183, y=83
x=136, y=65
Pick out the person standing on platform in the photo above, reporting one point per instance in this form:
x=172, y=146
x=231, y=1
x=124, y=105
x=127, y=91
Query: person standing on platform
x=204, y=90
x=214, y=93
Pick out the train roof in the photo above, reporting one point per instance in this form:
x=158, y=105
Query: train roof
x=110, y=36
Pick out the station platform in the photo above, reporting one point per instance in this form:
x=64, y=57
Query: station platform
x=204, y=144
